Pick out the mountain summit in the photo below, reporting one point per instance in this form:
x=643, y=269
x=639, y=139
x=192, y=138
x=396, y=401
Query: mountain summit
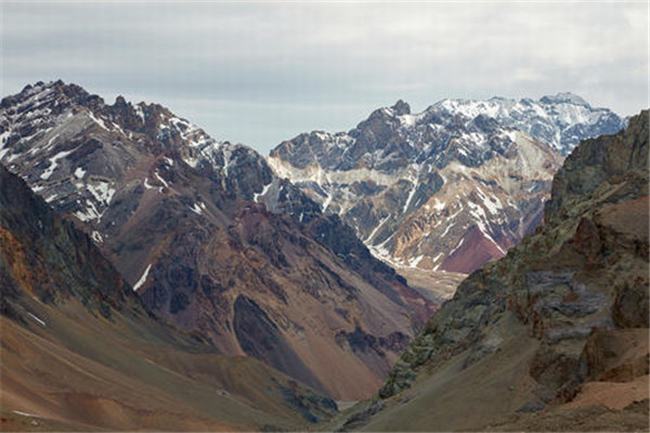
x=564, y=98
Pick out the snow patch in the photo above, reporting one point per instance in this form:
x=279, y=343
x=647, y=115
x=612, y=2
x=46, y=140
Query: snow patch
x=139, y=111
x=446, y=230
x=90, y=213
x=438, y=205
x=265, y=189
x=493, y=204
x=327, y=202
x=414, y=262
x=21, y=413
x=198, y=208
x=155, y=173
x=409, y=120
x=142, y=279
x=102, y=191
x=437, y=262
x=227, y=154
x=40, y=322
x=457, y=246
x=54, y=163
x=376, y=229
x=410, y=197
x=97, y=237
x=51, y=140
x=147, y=185
x=97, y=120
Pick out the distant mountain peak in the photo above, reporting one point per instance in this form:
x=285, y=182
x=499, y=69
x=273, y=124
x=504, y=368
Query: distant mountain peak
x=42, y=92
x=400, y=108
x=564, y=98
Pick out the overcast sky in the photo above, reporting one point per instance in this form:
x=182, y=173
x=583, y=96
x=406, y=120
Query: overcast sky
x=259, y=73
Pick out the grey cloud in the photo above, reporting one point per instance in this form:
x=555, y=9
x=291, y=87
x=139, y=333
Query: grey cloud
x=262, y=72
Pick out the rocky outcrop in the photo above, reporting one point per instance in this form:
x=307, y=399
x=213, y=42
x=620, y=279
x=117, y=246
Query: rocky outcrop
x=48, y=258
x=577, y=289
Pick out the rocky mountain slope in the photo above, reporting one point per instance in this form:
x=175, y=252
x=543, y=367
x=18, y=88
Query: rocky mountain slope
x=80, y=352
x=447, y=189
x=211, y=239
x=555, y=335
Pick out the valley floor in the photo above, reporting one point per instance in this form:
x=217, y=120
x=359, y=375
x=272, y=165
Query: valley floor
x=437, y=286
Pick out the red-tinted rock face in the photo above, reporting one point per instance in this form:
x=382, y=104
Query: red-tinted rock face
x=474, y=250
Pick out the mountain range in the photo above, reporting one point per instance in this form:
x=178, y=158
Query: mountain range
x=449, y=188
x=153, y=277
x=212, y=241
